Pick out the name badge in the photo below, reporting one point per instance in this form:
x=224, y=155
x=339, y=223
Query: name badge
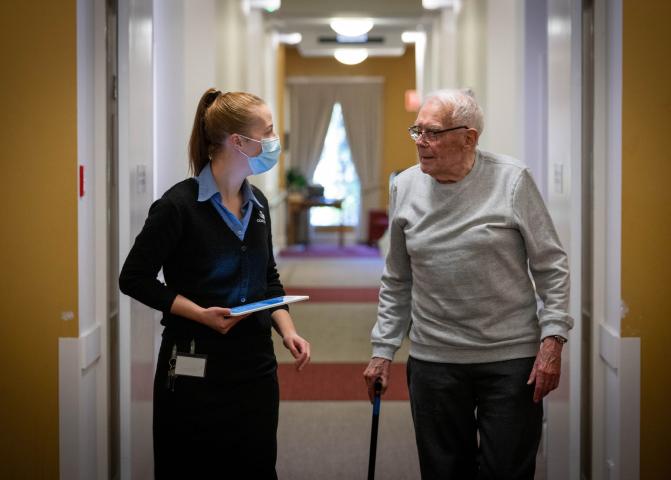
x=190, y=365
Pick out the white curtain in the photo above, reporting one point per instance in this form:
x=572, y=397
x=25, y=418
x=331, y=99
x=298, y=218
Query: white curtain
x=362, y=112
x=312, y=101
x=311, y=106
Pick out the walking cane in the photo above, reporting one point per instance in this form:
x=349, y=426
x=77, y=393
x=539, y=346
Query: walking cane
x=373, y=432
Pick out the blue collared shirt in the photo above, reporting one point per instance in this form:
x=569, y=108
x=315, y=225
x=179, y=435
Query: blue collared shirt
x=207, y=190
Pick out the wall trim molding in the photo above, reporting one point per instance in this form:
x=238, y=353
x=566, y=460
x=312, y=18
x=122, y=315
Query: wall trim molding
x=609, y=346
x=90, y=347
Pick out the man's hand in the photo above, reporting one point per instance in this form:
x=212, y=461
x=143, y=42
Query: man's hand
x=377, y=368
x=547, y=368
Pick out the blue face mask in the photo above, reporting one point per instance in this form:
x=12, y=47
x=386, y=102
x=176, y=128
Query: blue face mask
x=267, y=159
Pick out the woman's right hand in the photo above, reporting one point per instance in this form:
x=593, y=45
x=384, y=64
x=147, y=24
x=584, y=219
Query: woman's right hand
x=217, y=318
x=220, y=319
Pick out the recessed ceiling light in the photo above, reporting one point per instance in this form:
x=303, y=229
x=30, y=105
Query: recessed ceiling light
x=352, y=27
x=290, y=38
x=350, y=56
x=434, y=4
x=412, y=37
x=267, y=5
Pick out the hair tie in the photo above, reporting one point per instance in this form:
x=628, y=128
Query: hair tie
x=212, y=97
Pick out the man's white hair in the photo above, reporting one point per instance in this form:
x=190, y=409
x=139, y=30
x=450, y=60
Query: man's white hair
x=462, y=105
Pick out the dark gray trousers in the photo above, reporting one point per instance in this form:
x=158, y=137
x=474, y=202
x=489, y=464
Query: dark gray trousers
x=452, y=403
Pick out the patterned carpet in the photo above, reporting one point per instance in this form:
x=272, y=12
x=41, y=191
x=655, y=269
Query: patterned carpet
x=325, y=417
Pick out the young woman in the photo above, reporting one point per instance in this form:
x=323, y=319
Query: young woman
x=216, y=396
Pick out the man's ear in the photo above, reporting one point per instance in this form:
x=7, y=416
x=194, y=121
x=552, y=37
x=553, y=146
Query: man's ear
x=471, y=138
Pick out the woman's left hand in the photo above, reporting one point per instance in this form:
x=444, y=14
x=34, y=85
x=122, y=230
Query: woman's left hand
x=299, y=348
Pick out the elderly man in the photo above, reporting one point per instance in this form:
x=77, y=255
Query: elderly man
x=467, y=227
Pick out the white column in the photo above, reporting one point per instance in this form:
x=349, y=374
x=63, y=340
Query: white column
x=534, y=91
x=136, y=173
x=170, y=106
x=82, y=374
x=564, y=198
x=504, y=106
x=616, y=381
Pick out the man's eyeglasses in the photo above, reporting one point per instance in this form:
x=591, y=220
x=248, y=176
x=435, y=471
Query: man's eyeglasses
x=429, y=135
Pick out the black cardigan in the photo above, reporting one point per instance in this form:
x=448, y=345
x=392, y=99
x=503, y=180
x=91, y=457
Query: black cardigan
x=203, y=260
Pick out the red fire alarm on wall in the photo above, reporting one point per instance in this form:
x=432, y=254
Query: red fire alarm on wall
x=81, y=181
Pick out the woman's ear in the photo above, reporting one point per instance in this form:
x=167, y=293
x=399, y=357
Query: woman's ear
x=235, y=140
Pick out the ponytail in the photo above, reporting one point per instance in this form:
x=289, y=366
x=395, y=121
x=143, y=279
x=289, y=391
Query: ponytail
x=200, y=143
x=217, y=116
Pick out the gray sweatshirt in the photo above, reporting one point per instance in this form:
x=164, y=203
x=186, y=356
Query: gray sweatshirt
x=457, y=273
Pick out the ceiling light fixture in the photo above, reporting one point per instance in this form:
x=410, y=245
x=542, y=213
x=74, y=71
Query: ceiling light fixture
x=435, y=4
x=352, y=27
x=412, y=37
x=350, y=56
x=267, y=5
x=290, y=38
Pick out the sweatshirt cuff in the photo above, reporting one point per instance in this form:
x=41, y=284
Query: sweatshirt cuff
x=382, y=350
x=554, y=328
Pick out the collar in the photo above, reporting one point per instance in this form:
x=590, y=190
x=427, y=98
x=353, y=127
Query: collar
x=207, y=187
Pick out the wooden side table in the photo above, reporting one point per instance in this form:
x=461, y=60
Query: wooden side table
x=297, y=204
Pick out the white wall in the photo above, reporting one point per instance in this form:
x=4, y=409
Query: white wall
x=170, y=52
x=479, y=45
x=534, y=142
x=565, y=204
x=525, y=71
x=471, y=40
x=616, y=360
x=185, y=65
x=172, y=124
x=231, y=49
x=83, y=386
x=136, y=179
x=504, y=108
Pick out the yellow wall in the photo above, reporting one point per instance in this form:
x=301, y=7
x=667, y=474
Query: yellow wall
x=398, y=151
x=38, y=221
x=646, y=216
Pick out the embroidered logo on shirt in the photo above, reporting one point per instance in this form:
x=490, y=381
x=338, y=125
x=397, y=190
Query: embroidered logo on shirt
x=262, y=218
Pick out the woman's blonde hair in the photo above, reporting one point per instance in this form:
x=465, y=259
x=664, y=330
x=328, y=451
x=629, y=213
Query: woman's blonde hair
x=218, y=115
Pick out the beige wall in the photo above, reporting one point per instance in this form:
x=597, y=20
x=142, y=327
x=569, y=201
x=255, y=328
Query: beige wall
x=38, y=240
x=279, y=122
x=646, y=215
x=398, y=151
x=472, y=49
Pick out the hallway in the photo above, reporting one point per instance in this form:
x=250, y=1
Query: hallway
x=98, y=104
x=325, y=417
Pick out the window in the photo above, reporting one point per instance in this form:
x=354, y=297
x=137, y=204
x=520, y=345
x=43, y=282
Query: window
x=336, y=172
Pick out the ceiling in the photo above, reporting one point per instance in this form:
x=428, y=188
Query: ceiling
x=311, y=19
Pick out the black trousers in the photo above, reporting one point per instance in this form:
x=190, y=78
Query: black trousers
x=453, y=403
x=205, y=429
